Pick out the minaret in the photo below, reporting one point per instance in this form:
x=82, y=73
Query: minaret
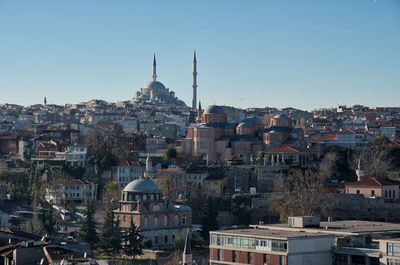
x=154, y=68
x=194, y=86
x=360, y=173
x=149, y=168
x=45, y=102
x=187, y=251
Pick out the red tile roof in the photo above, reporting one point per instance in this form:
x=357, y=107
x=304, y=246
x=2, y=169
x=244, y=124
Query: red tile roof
x=373, y=182
x=345, y=132
x=124, y=163
x=325, y=138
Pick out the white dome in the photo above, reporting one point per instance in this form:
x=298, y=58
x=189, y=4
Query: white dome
x=142, y=185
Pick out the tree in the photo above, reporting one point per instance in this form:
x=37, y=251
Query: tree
x=328, y=166
x=192, y=117
x=167, y=187
x=110, y=241
x=209, y=221
x=112, y=191
x=132, y=241
x=35, y=225
x=106, y=148
x=87, y=231
x=301, y=194
x=260, y=157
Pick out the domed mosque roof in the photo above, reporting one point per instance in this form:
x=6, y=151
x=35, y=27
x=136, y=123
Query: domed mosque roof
x=245, y=125
x=213, y=109
x=280, y=116
x=142, y=185
x=252, y=120
x=155, y=86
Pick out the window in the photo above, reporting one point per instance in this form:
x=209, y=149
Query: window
x=373, y=193
x=156, y=221
x=146, y=221
x=358, y=191
x=234, y=256
x=386, y=194
x=156, y=239
x=165, y=239
x=183, y=220
x=219, y=254
x=281, y=260
x=393, y=262
x=393, y=249
x=165, y=220
x=249, y=257
x=176, y=220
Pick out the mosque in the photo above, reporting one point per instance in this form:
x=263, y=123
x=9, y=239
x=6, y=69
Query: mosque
x=155, y=92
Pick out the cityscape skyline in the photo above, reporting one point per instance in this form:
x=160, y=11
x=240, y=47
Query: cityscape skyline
x=319, y=54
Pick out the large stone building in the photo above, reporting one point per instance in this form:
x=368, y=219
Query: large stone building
x=159, y=220
x=156, y=93
x=219, y=140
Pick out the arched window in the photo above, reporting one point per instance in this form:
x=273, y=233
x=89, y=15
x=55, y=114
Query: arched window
x=176, y=220
x=144, y=197
x=137, y=197
x=156, y=224
x=151, y=197
x=165, y=220
x=146, y=222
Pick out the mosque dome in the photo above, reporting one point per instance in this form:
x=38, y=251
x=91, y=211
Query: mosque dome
x=142, y=185
x=245, y=125
x=155, y=86
x=214, y=110
x=280, y=116
x=252, y=120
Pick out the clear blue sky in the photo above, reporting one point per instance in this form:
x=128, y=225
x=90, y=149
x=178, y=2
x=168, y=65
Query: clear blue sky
x=300, y=53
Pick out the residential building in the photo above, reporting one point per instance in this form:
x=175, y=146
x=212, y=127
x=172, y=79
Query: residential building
x=127, y=171
x=75, y=155
x=263, y=246
x=73, y=190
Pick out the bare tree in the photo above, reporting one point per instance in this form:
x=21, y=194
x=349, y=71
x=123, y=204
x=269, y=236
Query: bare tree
x=301, y=194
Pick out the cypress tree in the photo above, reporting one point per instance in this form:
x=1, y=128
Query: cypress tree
x=87, y=231
x=132, y=241
x=209, y=221
x=110, y=241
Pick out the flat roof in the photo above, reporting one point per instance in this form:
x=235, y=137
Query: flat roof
x=269, y=233
x=346, y=227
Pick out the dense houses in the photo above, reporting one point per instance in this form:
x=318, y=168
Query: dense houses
x=175, y=155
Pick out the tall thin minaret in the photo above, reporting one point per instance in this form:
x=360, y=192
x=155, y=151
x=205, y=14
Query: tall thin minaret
x=154, y=68
x=45, y=102
x=187, y=251
x=194, y=102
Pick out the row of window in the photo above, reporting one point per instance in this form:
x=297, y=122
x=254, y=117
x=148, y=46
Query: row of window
x=131, y=170
x=249, y=257
x=393, y=249
x=143, y=197
x=156, y=222
x=393, y=262
x=249, y=243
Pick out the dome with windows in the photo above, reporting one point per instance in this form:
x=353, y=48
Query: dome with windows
x=142, y=185
x=141, y=190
